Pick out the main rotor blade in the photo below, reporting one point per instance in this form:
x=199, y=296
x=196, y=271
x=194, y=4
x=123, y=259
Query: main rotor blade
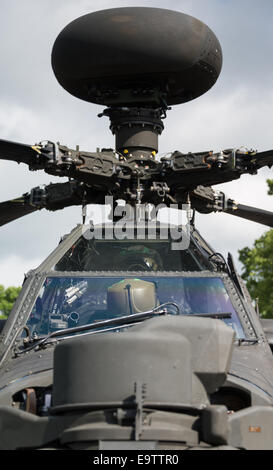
x=14, y=209
x=206, y=200
x=52, y=197
x=262, y=159
x=251, y=213
x=17, y=152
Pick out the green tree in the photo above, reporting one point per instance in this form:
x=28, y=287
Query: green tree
x=258, y=269
x=7, y=299
x=270, y=186
x=258, y=272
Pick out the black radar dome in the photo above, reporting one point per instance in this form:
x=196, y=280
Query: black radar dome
x=131, y=55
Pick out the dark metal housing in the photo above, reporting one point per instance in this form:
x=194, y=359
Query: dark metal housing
x=142, y=55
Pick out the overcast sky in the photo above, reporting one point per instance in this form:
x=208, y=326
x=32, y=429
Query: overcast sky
x=236, y=112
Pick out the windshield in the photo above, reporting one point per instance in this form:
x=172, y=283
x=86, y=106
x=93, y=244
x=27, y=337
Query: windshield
x=131, y=255
x=65, y=302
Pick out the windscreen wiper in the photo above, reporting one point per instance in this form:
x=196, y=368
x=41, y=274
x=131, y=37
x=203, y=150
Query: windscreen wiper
x=127, y=320
x=220, y=316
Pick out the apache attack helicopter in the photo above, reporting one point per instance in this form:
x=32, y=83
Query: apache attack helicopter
x=119, y=343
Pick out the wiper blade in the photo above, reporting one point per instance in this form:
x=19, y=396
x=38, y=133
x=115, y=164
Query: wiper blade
x=118, y=321
x=220, y=316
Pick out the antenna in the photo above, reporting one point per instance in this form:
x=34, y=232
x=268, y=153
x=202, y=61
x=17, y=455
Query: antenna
x=137, y=62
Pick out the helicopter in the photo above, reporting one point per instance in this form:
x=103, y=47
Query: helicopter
x=147, y=342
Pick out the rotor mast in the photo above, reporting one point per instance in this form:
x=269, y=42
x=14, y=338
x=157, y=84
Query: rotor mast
x=136, y=130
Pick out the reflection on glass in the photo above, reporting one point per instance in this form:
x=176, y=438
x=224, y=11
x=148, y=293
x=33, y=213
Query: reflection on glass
x=64, y=302
x=130, y=255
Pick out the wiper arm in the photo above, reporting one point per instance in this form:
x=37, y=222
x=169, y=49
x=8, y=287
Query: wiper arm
x=118, y=321
x=160, y=310
x=247, y=340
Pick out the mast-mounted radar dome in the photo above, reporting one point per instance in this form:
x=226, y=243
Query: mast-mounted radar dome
x=137, y=57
